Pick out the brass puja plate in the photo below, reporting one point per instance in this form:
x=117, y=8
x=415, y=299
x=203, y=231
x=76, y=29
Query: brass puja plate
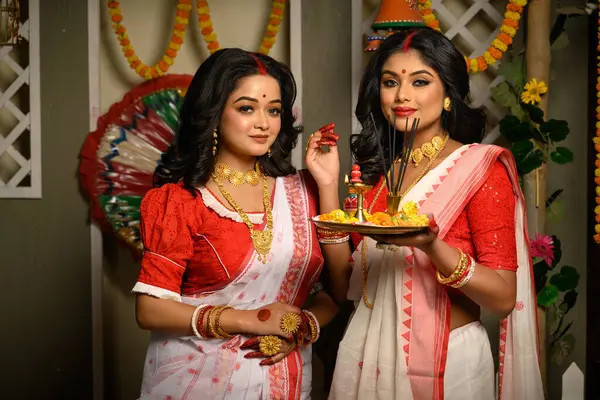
x=368, y=228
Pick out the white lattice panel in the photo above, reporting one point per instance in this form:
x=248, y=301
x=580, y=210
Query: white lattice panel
x=471, y=25
x=20, y=131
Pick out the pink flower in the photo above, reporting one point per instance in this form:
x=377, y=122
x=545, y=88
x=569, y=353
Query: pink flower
x=543, y=247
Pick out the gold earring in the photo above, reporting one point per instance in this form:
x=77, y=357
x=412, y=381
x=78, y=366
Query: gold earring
x=269, y=153
x=215, y=142
x=447, y=104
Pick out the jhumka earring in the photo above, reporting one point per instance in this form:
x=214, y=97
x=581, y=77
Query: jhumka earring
x=447, y=104
x=215, y=142
x=269, y=153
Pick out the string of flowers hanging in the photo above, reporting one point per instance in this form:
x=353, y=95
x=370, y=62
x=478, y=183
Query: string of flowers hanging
x=508, y=30
x=210, y=36
x=162, y=66
x=597, y=137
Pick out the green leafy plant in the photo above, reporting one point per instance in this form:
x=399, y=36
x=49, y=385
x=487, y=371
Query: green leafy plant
x=533, y=139
x=556, y=290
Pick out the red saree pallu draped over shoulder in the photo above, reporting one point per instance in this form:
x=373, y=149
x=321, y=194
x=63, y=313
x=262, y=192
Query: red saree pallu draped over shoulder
x=398, y=349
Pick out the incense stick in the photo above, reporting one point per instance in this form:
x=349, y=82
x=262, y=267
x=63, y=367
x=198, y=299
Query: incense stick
x=381, y=155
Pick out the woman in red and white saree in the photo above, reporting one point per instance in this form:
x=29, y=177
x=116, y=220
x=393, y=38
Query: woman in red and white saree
x=220, y=288
x=415, y=333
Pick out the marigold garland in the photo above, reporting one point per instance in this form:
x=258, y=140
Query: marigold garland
x=500, y=44
x=161, y=67
x=210, y=36
x=597, y=139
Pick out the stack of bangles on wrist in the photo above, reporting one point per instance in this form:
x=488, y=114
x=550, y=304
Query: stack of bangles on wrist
x=461, y=275
x=327, y=236
x=209, y=316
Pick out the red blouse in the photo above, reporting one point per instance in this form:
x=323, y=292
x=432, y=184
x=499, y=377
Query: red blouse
x=485, y=228
x=189, y=247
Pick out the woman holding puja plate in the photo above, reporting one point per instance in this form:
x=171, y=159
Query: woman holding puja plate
x=415, y=333
x=229, y=276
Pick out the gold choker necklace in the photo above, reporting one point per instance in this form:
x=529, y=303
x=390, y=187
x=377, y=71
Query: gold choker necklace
x=236, y=178
x=427, y=149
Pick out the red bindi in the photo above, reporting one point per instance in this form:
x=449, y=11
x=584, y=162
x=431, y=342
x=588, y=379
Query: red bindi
x=403, y=71
x=264, y=315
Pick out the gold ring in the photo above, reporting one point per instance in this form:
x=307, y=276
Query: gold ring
x=269, y=345
x=290, y=322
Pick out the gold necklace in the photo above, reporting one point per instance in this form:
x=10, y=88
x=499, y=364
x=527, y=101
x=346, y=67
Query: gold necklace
x=261, y=240
x=236, y=178
x=427, y=149
x=365, y=272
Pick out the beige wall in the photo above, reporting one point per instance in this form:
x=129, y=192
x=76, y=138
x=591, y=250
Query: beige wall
x=44, y=243
x=238, y=23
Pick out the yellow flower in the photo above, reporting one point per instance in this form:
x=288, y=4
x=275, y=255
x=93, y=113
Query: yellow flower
x=473, y=65
x=488, y=58
x=509, y=30
x=533, y=91
x=410, y=208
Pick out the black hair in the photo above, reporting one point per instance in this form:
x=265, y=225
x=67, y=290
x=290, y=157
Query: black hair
x=190, y=157
x=463, y=123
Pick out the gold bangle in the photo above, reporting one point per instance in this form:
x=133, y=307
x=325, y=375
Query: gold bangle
x=458, y=271
x=219, y=328
x=269, y=345
x=313, y=329
x=211, y=322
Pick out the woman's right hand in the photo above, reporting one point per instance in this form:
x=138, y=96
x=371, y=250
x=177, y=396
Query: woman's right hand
x=324, y=166
x=267, y=320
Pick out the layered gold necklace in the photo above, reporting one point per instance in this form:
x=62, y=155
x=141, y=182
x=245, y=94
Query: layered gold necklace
x=261, y=240
x=427, y=149
x=236, y=178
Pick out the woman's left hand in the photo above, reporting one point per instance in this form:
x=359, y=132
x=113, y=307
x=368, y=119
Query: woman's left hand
x=419, y=240
x=253, y=343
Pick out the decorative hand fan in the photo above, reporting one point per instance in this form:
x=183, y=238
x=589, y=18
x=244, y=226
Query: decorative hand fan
x=118, y=159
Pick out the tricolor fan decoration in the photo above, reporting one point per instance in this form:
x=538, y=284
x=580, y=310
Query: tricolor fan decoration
x=118, y=159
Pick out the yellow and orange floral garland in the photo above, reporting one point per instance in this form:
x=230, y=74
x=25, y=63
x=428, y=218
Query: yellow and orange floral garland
x=500, y=44
x=210, y=36
x=597, y=139
x=160, y=68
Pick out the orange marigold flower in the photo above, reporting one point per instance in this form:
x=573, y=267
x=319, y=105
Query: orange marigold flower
x=204, y=17
x=274, y=21
x=277, y=11
x=497, y=54
x=481, y=64
x=207, y=31
x=163, y=66
x=514, y=8
x=179, y=27
x=201, y=3
x=129, y=53
x=117, y=18
x=171, y=53
x=434, y=24
x=176, y=39
x=213, y=45
x=119, y=30
x=182, y=14
x=510, y=22
x=505, y=38
x=113, y=4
